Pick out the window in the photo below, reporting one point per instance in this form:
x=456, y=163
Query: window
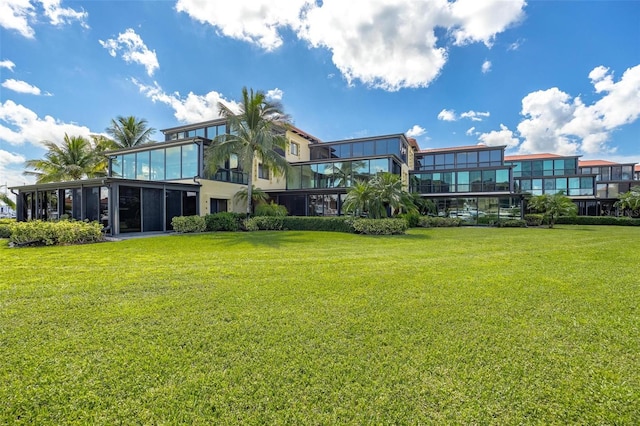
x=263, y=171
x=294, y=148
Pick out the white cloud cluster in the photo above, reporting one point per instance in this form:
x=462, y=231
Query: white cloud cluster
x=450, y=115
x=275, y=94
x=7, y=64
x=389, y=44
x=415, y=131
x=20, y=125
x=475, y=115
x=501, y=137
x=20, y=15
x=190, y=109
x=132, y=49
x=556, y=122
x=11, y=166
x=486, y=66
x=21, y=87
x=447, y=115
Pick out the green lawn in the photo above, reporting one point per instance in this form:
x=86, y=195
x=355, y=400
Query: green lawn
x=461, y=325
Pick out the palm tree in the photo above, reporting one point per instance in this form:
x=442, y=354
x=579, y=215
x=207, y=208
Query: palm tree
x=630, y=201
x=553, y=206
x=253, y=136
x=75, y=159
x=358, y=198
x=389, y=195
x=8, y=201
x=258, y=196
x=129, y=131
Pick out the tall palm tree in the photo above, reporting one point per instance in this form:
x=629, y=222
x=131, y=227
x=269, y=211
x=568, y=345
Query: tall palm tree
x=75, y=159
x=129, y=131
x=253, y=136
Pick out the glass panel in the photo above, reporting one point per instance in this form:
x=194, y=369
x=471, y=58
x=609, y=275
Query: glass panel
x=550, y=186
x=156, y=171
x=342, y=174
x=502, y=180
x=561, y=185
x=325, y=175
x=605, y=173
x=526, y=169
x=142, y=165
x=570, y=165
x=379, y=165
x=489, y=180
x=463, y=181
x=360, y=170
x=129, y=166
x=613, y=190
x=331, y=205
x=601, y=190
x=368, y=148
x=358, y=149
x=173, y=163
x=92, y=203
x=77, y=204
x=294, y=178
x=472, y=159
x=173, y=203
x=517, y=169
x=461, y=159
x=104, y=206
x=525, y=185
x=189, y=161
x=189, y=203
x=308, y=176
x=200, y=132
x=116, y=166
x=485, y=158
x=536, y=168
x=475, y=179
x=616, y=173
x=627, y=172
x=449, y=161
x=496, y=157
x=548, y=167
x=381, y=146
x=129, y=209
x=68, y=203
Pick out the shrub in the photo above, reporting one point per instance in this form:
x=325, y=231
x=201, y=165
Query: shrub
x=188, y=224
x=224, y=221
x=598, y=220
x=534, y=219
x=264, y=223
x=413, y=219
x=5, y=230
x=439, y=222
x=318, y=223
x=380, y=226
x=271, y=209
x=38, y=232
x=512, y=223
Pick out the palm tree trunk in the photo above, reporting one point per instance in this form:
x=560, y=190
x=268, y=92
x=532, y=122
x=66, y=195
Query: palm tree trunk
x=250, y=186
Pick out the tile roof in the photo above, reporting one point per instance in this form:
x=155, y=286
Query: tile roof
x=533, y=157
x=459, y=148
x=589, y=163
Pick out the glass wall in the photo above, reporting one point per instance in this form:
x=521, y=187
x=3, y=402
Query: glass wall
x=338, y=174
x=572, y=186
x=459, y=160
x=548, y=167
x=177, y=162
x=605, y=173
x=209, y=132
x=490, y=180
x=369, y=148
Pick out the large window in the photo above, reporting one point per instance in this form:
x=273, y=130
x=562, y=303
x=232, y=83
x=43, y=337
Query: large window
x=339, y=174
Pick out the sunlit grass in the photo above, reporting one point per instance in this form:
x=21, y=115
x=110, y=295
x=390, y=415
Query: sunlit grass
x=471, y=325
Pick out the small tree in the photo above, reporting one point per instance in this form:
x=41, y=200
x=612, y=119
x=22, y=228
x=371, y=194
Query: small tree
x=630, y=201
x=383, y=192
x=357, y=200
x=258, y=196
x=553, y=206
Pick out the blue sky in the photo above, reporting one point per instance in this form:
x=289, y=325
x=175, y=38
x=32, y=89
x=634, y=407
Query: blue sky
x=542, y=76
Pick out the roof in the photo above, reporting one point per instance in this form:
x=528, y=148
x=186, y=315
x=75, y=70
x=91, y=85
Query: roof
x=459, y=148
x=413, y=143
x=534, y=156
x=590, y=163
x=81, y=183
x=637, y=168
x=304, y=134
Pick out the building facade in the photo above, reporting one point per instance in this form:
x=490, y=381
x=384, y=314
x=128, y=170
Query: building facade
x=150, y=184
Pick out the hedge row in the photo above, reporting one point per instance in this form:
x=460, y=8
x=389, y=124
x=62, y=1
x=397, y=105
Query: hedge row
x=438, y=222
x=38, y=232
x=188, y=224
x=379, y=226
x=598, y=220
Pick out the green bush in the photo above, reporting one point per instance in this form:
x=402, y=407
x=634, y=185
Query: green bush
x=271, y=209
x=380, y=226
x=188, y=224
x=264, y=223
x=318, y=223
x=439, y=222
x=413, y=219
x=512, y=223
x=5, y=230
x=598, y=220
x=38, y=232
x=534, y=219
x=224, y=221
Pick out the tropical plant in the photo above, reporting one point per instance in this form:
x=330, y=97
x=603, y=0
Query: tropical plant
x=254, y=135
x=357, y=200
x=129, y=131
x=383, y=193
x=424, y=206
x=553, y=206
x=258, y=196
x=74, y=159
x=8, y=201
x=630, y=202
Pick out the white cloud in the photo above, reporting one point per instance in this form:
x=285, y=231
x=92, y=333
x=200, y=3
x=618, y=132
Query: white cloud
x=20, y=15
x=19, y=125
x=21, y=87
x=554, y=122
x=515, y=45
x=7, y=64
x=190, y=109
x=275, y=94
x=415, y=131
x=11, y=168
x=471, y=131
x=388, y=44
x=447, y=115
x=133, y=49
x=474, y=115
x=486, y=66
x=501, y=137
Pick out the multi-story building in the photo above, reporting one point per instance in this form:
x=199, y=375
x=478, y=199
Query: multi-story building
x=150, y=184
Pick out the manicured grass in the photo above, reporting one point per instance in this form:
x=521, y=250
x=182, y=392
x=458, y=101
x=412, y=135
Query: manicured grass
x=470, y=325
